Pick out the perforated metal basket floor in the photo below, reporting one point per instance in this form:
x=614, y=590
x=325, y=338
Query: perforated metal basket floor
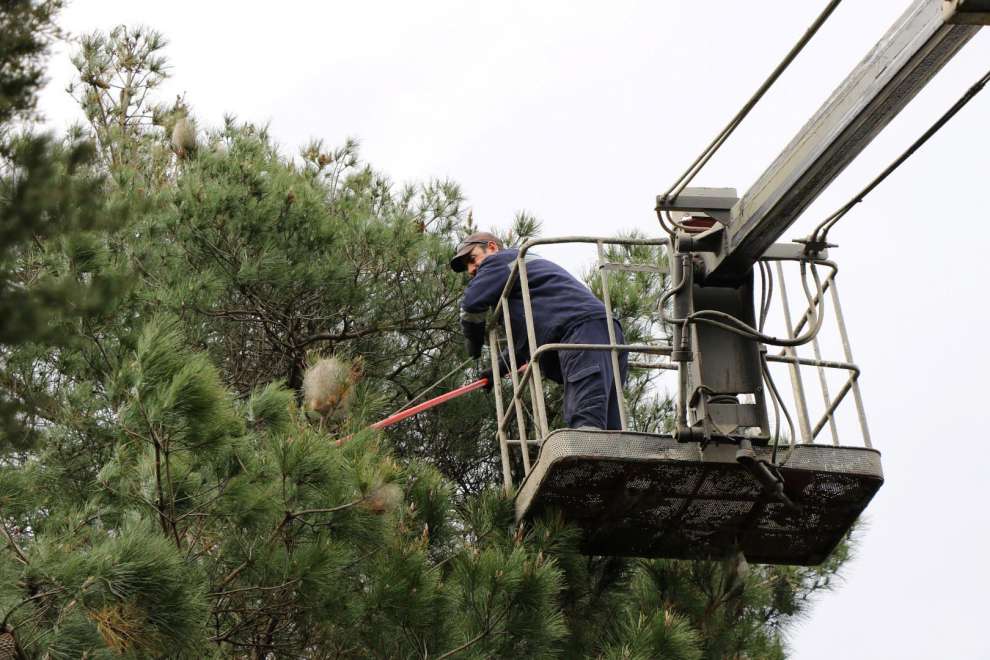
x=645, y=495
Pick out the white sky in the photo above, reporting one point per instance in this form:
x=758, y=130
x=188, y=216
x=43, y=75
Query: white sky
x=581, y=113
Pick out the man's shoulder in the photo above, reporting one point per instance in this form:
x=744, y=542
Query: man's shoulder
x=500, y=259
x=505, y=255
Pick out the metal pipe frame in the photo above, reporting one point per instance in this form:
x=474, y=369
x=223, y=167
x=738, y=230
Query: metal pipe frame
x=534, y=363
x=833, y=404
x=797, y=384
x=503, y=441
x=829, y=285
x=667, y=366
x=852, y=384
x=847, y=351
x=520, y=384
x=616, y=376
x=816, y=346
x=517, y=404
x=515, y=271
x=531, y=377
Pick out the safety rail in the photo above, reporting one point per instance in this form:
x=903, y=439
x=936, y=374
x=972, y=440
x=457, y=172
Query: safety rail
x=790, y=357
x=527, y=380
x=532, y=375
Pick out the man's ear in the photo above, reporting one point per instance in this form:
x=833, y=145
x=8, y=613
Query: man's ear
x=492, y=246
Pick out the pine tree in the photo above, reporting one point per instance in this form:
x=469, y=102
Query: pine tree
x=52, y=207
x=177, y=500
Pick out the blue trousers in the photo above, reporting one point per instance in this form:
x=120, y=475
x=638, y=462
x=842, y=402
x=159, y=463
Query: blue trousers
x=590, y=397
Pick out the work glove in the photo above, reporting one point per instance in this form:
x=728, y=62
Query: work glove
x=474, y=337
x=490, y=375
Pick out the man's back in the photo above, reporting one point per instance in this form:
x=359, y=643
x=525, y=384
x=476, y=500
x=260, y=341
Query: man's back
x=560, y=301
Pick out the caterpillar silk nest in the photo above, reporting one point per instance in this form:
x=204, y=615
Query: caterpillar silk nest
x=328, y=387
x=385, y=498
x=184, y=137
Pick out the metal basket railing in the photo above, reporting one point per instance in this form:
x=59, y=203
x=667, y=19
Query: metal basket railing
x=530, y=378
x=790, y=356
x=527, y=405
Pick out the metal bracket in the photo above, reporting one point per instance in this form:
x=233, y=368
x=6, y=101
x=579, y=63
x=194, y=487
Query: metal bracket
x=966, y=12
x=812, y=249
x=788, y=252
x=716, y=203
x=764, y=472
x=710, y=240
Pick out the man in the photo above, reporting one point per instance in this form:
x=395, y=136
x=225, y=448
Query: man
x=564, y=311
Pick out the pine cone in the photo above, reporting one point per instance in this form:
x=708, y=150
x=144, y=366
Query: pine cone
x=8, y=646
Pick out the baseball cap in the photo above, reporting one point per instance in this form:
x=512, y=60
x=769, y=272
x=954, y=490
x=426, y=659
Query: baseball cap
x=464, y=248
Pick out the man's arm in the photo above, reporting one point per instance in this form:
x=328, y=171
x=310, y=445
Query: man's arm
x=482, y=293
x=484, y=290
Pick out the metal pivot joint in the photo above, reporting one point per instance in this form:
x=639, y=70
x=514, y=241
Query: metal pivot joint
x=683, y=282
x=765, y=472
x=721, y=392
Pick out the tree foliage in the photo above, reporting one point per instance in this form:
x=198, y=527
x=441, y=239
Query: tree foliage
x=167, y=490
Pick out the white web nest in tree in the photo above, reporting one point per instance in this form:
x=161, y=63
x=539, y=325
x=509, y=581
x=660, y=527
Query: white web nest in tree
x=328, y=387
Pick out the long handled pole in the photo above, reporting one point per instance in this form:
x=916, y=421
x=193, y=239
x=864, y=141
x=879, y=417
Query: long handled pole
x=426, y=405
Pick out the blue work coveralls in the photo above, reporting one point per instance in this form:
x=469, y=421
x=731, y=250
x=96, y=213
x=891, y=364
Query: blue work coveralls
x=564, y=311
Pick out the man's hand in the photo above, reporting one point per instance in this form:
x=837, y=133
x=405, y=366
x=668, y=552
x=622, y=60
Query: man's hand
x=474, y=337
x=490, y=375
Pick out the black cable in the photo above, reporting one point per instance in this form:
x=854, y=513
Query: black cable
x=763, y=296
x=740, y=327
x=787, y=415
x=766, y=293
x=724, y=134
x=776, y=409
x=820, y=234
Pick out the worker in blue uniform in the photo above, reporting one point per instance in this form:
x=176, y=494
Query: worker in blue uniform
x=564, y=311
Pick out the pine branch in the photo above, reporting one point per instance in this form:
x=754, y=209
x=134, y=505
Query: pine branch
x=12, y=544
x=335, y=509
x=357, y=334
x=233, y=574
x=165, y=519
x=488, y=629
x=221, y=594
x=471, y=642
x=35, y=597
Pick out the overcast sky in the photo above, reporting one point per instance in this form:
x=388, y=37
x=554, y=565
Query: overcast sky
x=581, y=113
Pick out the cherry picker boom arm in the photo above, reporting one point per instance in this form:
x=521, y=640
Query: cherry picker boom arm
x=912, y=52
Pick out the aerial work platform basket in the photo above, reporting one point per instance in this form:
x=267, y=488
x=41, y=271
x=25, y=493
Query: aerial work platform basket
x=719, y=482
x=647, y=495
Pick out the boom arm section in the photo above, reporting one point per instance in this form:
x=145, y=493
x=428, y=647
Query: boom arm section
x=912, y=52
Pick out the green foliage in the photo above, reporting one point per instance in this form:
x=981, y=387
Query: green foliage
x=116, y=72
x=131, y=589
x=52, y=257
x=206, y=506
x=524, y=227
x=658, y=634
x=28, y=28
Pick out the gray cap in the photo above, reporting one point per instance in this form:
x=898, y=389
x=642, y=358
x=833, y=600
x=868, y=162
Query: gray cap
x=464, y=248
